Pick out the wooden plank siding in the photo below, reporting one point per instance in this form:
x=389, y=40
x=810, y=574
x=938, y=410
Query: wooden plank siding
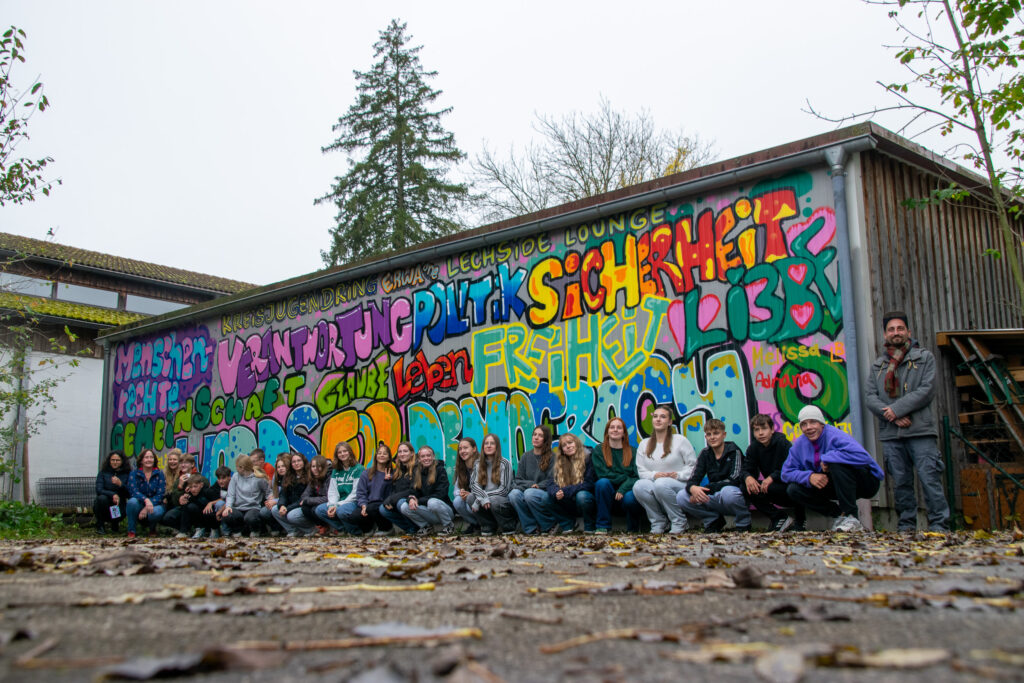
x=931, y=263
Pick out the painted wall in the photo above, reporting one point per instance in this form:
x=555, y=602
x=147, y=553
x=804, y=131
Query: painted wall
x=723, y=304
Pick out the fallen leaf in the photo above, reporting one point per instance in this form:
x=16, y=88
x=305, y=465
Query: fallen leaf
x=747, y=577
x=781, y=666
x=909, y=658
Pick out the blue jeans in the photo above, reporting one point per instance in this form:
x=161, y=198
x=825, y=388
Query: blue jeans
x=338, y=522
x=435, y=511
x=398, y=519
x=728, y=501
x=293, y=521
x=132, y=509
x=465, y=511
x=902, y=458
x=535, y=508
x=566, y=511
x=527, y=520
x=604, y=494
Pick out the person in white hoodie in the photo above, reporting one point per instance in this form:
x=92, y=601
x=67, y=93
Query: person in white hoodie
x=664, y=461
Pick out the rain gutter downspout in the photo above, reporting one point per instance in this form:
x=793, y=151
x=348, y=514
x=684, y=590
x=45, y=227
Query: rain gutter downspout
x=736, y=176
x=836, y=158
x=105, y=407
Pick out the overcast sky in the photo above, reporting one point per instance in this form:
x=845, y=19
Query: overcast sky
x=189, y=133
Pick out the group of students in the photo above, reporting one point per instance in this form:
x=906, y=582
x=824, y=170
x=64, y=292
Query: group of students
x=664, y=479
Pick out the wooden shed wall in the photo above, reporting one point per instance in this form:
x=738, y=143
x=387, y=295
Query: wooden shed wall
x=931, y=262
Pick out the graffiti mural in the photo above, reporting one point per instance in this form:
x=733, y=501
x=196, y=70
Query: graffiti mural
x=722, y=305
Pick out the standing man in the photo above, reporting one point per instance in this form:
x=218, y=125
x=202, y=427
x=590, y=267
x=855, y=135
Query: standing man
x=900, y=391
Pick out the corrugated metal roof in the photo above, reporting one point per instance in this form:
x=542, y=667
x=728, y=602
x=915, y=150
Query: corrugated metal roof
x=67, y=310
x=72, y=256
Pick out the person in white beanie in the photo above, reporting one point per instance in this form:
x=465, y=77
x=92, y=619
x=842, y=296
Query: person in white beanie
x=827, y=471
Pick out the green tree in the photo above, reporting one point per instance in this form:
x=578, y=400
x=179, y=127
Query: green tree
x=20, y=178
x=396, y=194
x=963, y=59
x=27, y=379
x=582, y=155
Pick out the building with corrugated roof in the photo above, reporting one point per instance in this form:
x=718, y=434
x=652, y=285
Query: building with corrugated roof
x=87, y=292
x=751, y=285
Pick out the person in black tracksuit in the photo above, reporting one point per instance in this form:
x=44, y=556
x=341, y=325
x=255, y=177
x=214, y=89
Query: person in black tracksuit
x=762, y=477
x=198, y=511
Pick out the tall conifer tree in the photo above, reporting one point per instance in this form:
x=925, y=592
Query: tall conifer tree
x=396, y=193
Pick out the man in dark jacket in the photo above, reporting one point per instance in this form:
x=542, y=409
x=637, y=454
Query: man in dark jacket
x=722, y=463
x=900, y=391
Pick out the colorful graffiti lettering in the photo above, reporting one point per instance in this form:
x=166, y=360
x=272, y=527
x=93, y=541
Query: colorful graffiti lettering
x=722, y=306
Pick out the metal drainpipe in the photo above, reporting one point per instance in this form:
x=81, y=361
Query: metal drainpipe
x=836, y=158
x=105, y=407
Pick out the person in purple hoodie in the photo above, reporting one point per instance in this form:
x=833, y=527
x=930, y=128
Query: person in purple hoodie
x=827, y=471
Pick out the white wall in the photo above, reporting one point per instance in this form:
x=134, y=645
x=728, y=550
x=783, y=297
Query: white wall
x=68, y=444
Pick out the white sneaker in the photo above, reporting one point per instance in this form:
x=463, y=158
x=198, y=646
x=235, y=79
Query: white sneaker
x=200, y=533
x=214, y=533
x=848, y=523
x=181, y=535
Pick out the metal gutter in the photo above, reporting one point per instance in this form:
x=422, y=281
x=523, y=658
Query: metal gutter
x=105, y=409
x=836, y=158
x=811, y=156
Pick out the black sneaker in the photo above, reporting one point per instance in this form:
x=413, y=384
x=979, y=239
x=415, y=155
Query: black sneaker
x=798, y=526
x=715, y=526
x=743, y=529
x=783, y=524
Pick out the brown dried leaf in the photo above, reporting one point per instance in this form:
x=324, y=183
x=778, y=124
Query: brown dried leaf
x=910, y=658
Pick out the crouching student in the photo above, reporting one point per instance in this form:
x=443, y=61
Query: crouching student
x=111, y=492
x=281, y=467
x=287, y=513
x=201, y=512
x=176, y=494
x=341, y=492
x=762, y=477
x=529, y=487
x=428, y=505
x=827, y=471
x=571, y=489
x=373, y=487
x=315, y=493
x=722, y=462
x=491, y=483
x=664, y=461
x=146, y=488
x=246, y=493
x=401, y=486
x=616, y=473
x=463, y=499
x=195, y=496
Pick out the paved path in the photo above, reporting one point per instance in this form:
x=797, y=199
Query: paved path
x=814, y=607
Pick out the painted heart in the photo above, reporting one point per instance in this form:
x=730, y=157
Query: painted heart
x=707, y=310
x=677, y=323
x=823, y=221
x=753, y=289
x=798, y=272
x=802, y=314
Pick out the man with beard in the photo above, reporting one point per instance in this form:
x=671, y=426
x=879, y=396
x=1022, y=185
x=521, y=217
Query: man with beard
x=900, y=391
